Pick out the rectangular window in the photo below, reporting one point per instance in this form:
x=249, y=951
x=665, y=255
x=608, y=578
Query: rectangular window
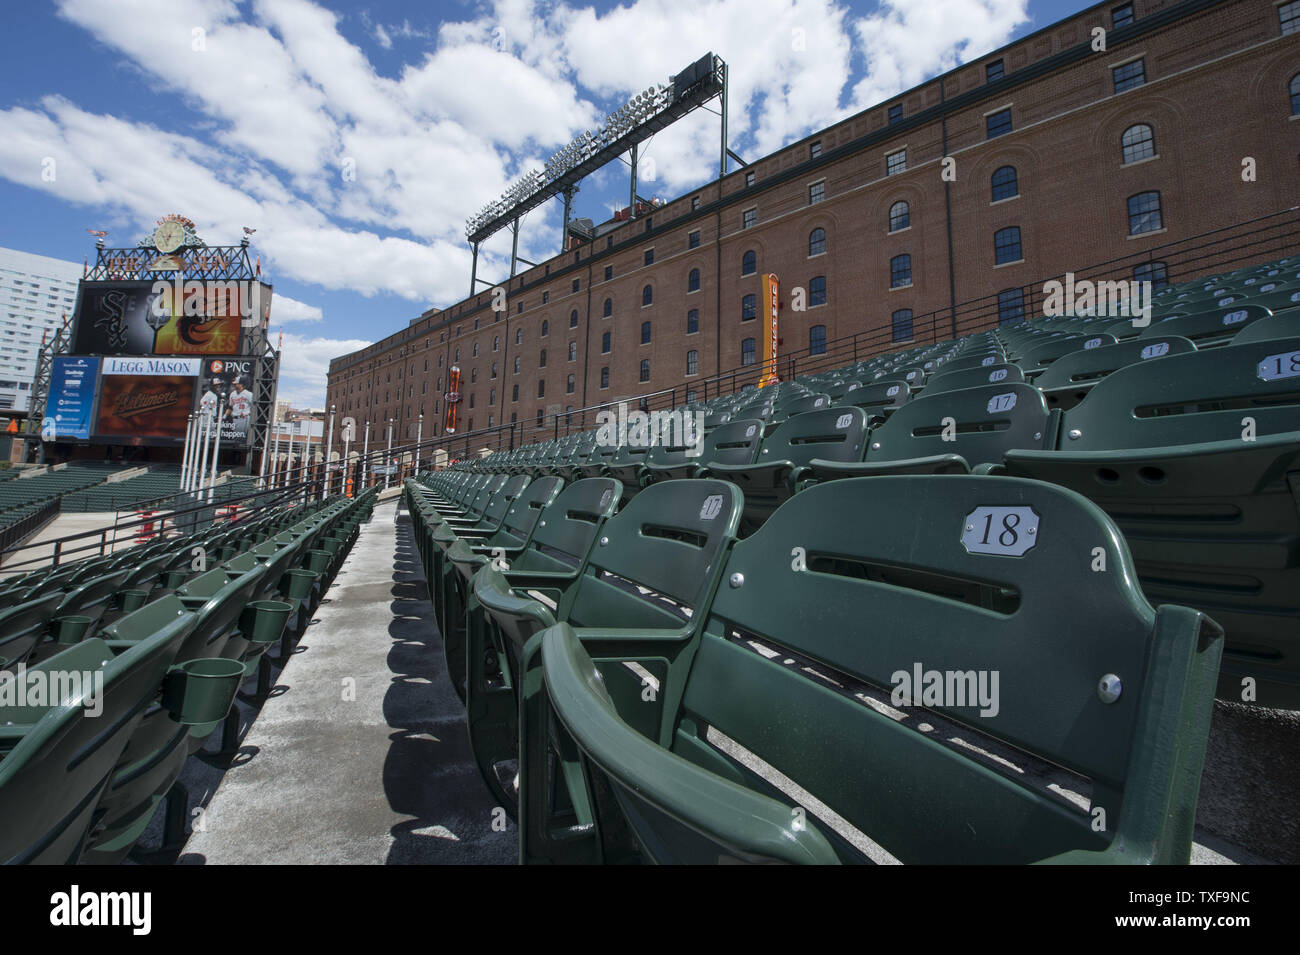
x=604, y=377
x=993, y=71
x=895, y=113
x=1129, y=75
x=748, y=218
x=695, y=203
x=902, y=322
x=649, y=256
x=749, y=179
x=1153, y=272
x=816, y=193
x=998, y=124
x=896, y=162
x=1289, y=15
x=693, y=240
x=1121, y=16
x=815, y=149
x=1011, y=305
x=609, y=272
x=576, y=284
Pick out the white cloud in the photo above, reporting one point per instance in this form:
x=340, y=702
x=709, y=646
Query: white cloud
x=304, y=366
x=286, y=310
x=362, y=181
x=906, y=42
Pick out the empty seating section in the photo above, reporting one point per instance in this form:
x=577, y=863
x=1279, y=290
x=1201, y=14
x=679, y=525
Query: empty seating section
x=662, y=644
x=165, y=635
x=23, y=495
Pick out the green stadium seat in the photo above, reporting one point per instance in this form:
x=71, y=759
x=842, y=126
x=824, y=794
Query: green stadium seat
x=58, y=759
x=833, y=434
x=1068, y=380
x=1090, y=751
x=1197, y=459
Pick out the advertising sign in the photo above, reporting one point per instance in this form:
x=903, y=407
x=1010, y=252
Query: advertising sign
x=145, y=400
x=162, y=317
x=72, y=397
x=226, y=384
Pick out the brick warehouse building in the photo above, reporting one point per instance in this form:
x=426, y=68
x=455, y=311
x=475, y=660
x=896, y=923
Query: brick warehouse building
x=1065, y=158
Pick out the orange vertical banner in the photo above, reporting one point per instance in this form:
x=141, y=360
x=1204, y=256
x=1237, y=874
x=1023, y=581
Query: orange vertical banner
x=453, y=398
x=772, y=307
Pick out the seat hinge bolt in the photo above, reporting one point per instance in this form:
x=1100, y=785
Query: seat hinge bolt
x=1109, y=688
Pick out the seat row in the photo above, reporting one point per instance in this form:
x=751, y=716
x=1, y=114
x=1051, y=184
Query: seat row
x=148, y=650
x=1195, y=454
x=927, y=668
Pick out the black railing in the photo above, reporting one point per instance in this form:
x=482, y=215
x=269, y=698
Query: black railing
x=21, y=529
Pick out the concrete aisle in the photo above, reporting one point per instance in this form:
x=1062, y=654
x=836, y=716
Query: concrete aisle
x=383, y=777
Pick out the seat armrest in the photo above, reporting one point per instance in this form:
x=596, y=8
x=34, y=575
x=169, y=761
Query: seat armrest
x=739, y=820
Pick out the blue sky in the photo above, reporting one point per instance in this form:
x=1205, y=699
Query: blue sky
x=357, y=139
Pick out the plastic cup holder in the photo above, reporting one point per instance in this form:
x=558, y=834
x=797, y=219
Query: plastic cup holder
x=263, y=621
x=201, y=691
x=72, y=628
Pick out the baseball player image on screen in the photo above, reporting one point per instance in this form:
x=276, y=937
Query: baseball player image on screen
x=239, y=406
x=208, y=403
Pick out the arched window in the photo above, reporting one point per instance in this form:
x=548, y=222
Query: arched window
x=1144, y=213
x=541, y=361
x=546, y=328
x=816, y=242
x=645, y=333
x=645, y=369
x=647, y=296
x=573, y=351
x=474, y=350
x=609, y=308
x=749, y=308
x=496, y=342
x=604, y=344
x=473, y=376
x=692, y=362
x=900, y=216
x=514, y=393
x=541, y=388
x=817, y=340
x=749, y=263
x=1294, y=89
x=573, y=318
x=568, y=385
x=1006, y=245
x=900, y=271
x=748, y=355
x=494, y=369
x=1138, y=142
x=519, y=336
x=817, y=290
x=1005, y=183
x=516, y=364
x=693, y=281
x=692, y=321
x=399, y=375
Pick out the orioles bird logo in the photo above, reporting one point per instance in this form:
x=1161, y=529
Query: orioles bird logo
x=196, y=329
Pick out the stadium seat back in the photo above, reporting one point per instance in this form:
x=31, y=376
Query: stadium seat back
x=980, y=424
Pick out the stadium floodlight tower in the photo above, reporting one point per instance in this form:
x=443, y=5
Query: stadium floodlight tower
x=625, y=129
